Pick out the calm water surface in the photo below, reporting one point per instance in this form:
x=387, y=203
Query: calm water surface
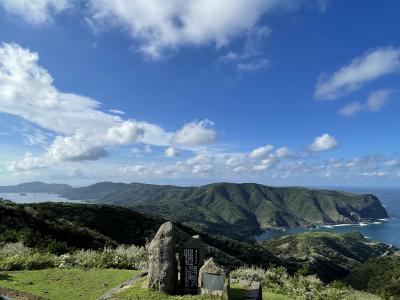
x=387, y=231
x=35, y=198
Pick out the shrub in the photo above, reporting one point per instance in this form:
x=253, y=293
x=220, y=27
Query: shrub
x=130, y=257
x=32, y=261
x=11, y=249
x=304, y=271
x=16, y=256
x=123, y=257
x=299, y=286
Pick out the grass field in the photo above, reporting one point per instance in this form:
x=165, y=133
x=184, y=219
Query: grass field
x=139, y=291
x=65, y=284
x=71, y=284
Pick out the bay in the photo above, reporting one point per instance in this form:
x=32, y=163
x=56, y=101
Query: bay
x=35, y=198
x=387, y=231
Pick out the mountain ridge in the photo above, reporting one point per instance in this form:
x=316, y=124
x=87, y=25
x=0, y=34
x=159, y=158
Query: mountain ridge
x=36, y=187
x=235, y=209
x=249, y=204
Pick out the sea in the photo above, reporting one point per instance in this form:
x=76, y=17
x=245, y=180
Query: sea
x=35, y=198
x=384, y=230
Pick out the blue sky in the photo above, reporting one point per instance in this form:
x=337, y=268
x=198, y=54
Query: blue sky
x=190, y=92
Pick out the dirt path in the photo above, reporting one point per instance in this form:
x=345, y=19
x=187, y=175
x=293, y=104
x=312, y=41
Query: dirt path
x=123, y=286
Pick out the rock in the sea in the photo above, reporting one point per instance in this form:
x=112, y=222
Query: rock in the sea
x=163, y=267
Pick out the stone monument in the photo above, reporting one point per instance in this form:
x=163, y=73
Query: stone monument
x=163, y=267
x=214, y=280
x=191, y=260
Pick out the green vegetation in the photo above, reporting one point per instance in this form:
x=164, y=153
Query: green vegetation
x=90, y=284
x=330, y=255
x=60, y=228
x=139, y=291
x=19, y=257
x=379, y=275
x=278, y=284
x=63, y=227
x=91, y=238
x=65, y=284
x=237, y=210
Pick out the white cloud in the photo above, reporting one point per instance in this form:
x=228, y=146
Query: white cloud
x=392, y=163
x=253, y=66
x=370, y=66
x=171, y=152
x=250, y=57
x=36, y=11
x=83, y=131
x=27, y=163
x=261, y=152
x=351, y=109
x=33, y=137
x=375, y=102
x=266, y=164
x=219, y=166
x=284, y=152
x=234, y=161
x=323, y=143
x=116, y=112
x=195, y=134
x=376, y=174
x=207, y=165
x=160, y=25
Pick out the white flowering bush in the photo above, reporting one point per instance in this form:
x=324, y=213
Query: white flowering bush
x=18, y=257
x=11, y=249
x=272, y=278
x=130, y=257
x=66, y=261
x=299, y=287
x=123, y=257
x=33, y=261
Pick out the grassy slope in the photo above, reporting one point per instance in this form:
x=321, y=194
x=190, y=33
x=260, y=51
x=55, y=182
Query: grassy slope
x=60, y=284
x=139, y=291
x=240, y=208
x=69, y=284
x=62, y=227
x=378, y=275
x=328, y=254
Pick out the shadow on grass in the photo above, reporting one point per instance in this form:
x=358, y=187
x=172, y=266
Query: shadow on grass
x=238, y=293
x=5, y=277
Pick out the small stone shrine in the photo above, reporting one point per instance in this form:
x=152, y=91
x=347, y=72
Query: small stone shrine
x=214, y=280
x=163, y=266
x=191, y=260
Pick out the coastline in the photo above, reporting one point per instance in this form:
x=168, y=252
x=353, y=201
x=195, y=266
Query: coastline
x=383, y=230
